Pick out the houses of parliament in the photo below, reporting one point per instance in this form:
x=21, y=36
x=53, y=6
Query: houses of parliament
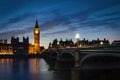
x=17, y=47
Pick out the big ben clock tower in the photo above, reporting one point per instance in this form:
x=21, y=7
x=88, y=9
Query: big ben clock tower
x=36, y=38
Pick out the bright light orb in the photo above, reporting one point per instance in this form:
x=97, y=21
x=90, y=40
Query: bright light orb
x=36, y=32
x=58, y=43
x=77, y=36
x=101, y=43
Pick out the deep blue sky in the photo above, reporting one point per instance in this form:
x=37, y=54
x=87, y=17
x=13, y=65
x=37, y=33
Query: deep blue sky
x=92, y=19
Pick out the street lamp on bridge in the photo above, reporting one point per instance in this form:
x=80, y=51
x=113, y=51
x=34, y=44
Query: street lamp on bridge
x=77, y=36
x=58, y=44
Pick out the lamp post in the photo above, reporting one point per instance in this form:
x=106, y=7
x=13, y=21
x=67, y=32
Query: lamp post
x=58, y=43
x=77, y=36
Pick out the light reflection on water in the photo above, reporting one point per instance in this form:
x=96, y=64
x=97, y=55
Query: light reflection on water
x=29, y=69
x=38, y=69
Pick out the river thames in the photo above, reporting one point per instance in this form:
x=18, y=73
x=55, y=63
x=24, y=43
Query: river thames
x=29, y=69
x=38, y=69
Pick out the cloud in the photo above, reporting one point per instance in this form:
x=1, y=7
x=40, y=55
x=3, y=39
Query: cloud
x=15, y=20
x=94, y=18
x=61, y=32
x=106, y=19
x=109, y=14
x=84, y=20
x=55, y=22
x=102, y=5
x=9, y=34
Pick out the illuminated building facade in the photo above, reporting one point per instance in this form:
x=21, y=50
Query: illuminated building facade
x=36, y=38
x=31, y=49
x=35, y=49
x=5, y=48
x=16, y=47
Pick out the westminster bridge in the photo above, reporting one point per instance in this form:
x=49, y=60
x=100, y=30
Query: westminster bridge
x=79, y=56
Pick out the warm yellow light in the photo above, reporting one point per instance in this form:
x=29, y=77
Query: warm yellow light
x=36, y=32
x=35, y=52
x=58, y=43
x=80, y=45
x=101, y=43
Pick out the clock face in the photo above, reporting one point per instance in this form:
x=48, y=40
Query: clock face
x=36, y=32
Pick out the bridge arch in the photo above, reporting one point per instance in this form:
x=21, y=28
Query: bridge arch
x=70, y=53
x=99, y=57
x=66, y=60
x=74, y=55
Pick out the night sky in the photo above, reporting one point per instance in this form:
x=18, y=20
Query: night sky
x=92, y=19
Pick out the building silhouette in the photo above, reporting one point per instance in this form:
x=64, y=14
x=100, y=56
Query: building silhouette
x=80, y=43
x=61, y=43
x=93, y=43
x=5, y=48
x=116, y=43
x=20, y=48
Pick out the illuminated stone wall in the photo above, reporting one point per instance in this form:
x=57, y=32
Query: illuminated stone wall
x=5, y=49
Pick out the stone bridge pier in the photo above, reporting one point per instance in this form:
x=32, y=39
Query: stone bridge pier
x=74, y=52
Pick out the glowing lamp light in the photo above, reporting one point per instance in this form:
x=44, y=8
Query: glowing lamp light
x=58, y=43
x=80, y=45
x=35, y=52
x=101, y=43
x=77, y=36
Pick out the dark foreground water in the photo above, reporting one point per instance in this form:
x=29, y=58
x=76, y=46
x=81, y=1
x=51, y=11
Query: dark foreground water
x=29, y=69
x=38, y=69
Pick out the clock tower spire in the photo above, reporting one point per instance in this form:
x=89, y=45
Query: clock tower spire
x=36, y=24
x=36, y=38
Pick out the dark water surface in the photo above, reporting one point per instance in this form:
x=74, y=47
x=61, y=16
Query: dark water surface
x=38, y=69
x=29, y=69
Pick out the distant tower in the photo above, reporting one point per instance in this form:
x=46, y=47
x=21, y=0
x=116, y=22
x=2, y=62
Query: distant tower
x=36, y=38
